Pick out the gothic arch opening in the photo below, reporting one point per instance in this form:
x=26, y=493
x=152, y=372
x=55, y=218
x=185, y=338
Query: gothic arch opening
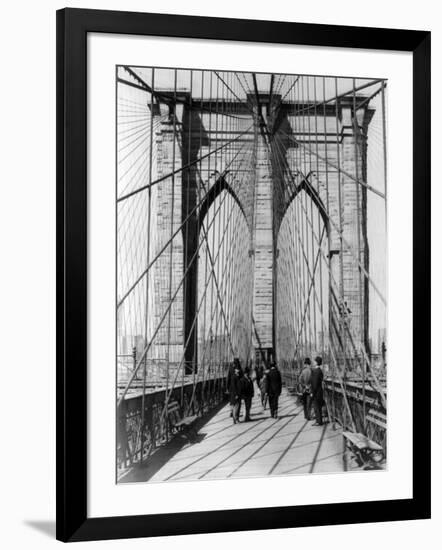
x=302, y=282
x=224, y=295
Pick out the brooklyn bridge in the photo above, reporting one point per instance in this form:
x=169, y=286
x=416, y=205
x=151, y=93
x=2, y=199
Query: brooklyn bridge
x=251, y=229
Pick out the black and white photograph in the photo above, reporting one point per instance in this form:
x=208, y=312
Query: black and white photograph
x=219, y=325
x=251, y=274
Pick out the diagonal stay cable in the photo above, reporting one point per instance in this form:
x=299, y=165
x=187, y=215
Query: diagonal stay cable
x=146, y=349
x=312, y=281
x=211, y=275
x=229, y=88
x=340, y=96
x=160, y=95
x=190, y=214
x=344, y=240
x=185, y=167
x=332, y=165
x=340, y=379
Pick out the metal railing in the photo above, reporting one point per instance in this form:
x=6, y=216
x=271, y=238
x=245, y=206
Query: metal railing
x=140, y=433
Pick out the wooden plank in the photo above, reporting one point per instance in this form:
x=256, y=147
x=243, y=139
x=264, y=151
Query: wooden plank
x=378, y=418
x=186, y=421
x=245, y=450
x=361, y=441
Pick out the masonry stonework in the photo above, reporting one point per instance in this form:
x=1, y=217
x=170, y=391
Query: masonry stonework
x=264, y=207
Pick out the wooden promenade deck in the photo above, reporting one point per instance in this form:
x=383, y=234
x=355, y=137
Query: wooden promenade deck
x=262, y=447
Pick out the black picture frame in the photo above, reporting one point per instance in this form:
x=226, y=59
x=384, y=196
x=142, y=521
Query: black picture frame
x=73, y=25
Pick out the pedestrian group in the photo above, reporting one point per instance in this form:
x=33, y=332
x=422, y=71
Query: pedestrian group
x=268, y=379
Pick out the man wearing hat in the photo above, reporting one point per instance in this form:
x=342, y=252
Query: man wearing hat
x=316, y=379
x=247, y=392
x=235, y=392
x=274, y=388
x=236, y=364
x=304, y=380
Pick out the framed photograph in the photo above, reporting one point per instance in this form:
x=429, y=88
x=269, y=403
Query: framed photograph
x=243, y=274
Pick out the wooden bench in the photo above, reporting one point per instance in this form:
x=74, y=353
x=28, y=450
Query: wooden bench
x=364, y=449
x=378, y=418
x=184, y=425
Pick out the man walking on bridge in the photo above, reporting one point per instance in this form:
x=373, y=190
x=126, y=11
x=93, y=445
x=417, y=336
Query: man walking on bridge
x=274, y=387
x=316, y=379
x=235, y=392
x=259, y=373
x=247, y=392
x=231, y=373
x=304, y=380
x=263, y=388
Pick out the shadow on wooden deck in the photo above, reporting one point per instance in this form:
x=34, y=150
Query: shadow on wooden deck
x=153, y=463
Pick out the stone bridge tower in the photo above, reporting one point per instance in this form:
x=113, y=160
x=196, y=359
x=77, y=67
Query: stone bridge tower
x=340, y=142
x=328, y=146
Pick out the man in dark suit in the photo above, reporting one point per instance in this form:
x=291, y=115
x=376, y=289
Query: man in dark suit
x=259, y=373
x=247, y=392
x=316, y=378
x=235, y=365
x=274, y=386
x=235, y=393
